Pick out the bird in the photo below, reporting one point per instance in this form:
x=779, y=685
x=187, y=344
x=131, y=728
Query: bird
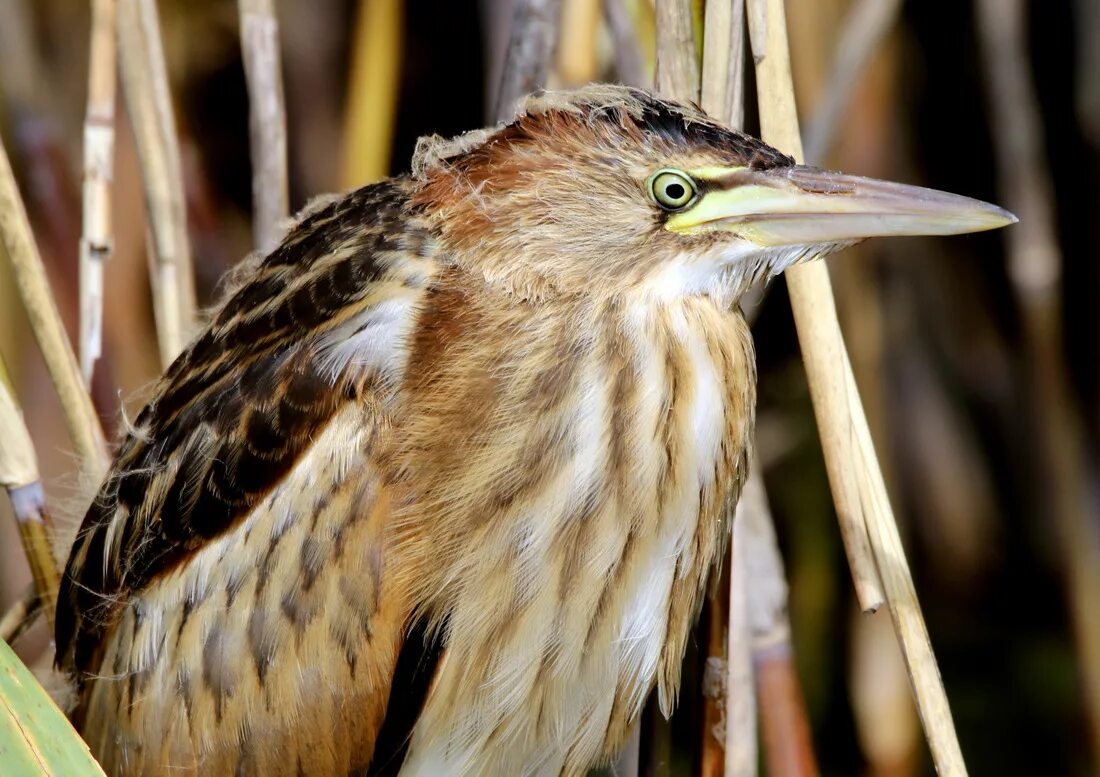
x=439, y=487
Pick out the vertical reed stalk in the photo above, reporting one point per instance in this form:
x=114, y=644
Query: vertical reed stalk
x=372, y=91
x=266, y=120
x=149, y=104
x=630, y=65
x=99, y=153
x=534, y=35
x=677, y=71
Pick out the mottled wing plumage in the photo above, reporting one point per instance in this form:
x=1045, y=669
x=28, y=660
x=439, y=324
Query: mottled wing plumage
x=240, y=405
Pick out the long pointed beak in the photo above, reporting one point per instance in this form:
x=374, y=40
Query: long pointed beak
x=802, y=205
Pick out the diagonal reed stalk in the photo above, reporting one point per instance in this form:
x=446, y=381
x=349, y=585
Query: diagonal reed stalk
x=34, y=289
x=266, y=120
x=149, y=105
x=19, y=476
x=99, y=152
x=857, y=481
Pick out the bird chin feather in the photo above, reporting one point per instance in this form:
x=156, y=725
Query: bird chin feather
x=729, y=270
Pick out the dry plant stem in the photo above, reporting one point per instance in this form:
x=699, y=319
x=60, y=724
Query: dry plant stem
x=49, y=332
x=19, y=476
x=785, y=728
x=372, y=91
x=756, y=13
x=677, y=71
x=148, y=102
x=722, y=96
x=866, y=24
x=629, y=63
x=29, y=505
x=99, y=153
x=19, y=616
x=818, y=329
x=741, y=739
x=628, y=762
x=266, y=120
x=531, y=42
x=861, y=497
x=722, y=93
x=788, y=747
x=578, y=56
x=1035, y=268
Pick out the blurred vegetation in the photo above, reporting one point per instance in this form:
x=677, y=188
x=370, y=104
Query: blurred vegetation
x=936, y=329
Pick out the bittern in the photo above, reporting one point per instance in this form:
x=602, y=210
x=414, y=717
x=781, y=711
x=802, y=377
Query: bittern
x=439, y=488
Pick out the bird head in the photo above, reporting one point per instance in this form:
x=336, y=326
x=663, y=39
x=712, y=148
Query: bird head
x=609, y=189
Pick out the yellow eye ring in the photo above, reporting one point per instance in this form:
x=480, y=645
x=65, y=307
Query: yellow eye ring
x=672, y=190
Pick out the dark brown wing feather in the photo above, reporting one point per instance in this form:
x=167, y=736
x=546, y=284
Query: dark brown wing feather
x=234, y=412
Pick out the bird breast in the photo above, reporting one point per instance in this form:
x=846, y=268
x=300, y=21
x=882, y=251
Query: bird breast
x=575, y=466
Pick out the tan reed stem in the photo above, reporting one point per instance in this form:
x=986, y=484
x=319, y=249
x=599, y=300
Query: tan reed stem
x=722, y=93
x=815, y=315
x=266, y=120
x=722, y=96
x=149, y=105
x=535, y=25
x=677, y=71
x=1035, y=268
x=578, y=57
x=788, y=747
x=862, y=501
x=19, y=476
x=34, y=289
x=629, y=62
x=18, y=617
x=369, y=119
x=99, y=153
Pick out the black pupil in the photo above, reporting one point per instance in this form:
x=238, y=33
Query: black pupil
x=675, y=191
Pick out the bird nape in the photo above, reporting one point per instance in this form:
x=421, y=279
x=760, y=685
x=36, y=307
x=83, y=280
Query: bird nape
x=446, y=474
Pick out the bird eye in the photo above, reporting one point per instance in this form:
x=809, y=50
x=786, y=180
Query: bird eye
x=671, y=189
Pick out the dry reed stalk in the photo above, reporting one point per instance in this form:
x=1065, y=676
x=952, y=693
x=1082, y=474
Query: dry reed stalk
x=531, y=43
x=266, y=120
x=34, y=289
x=858, y=486
x=149, y=105
x=99, y=153
x=784, y=723
x=815, y=312
x=19, y=476
x=1035, y=268
x=866, y=24
x=629, y=63
x=369, y=120
x=722, y=92
x=741, y=742
x=736, y=754
x=677, y=71
x=578, y=55
x=20, y=615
